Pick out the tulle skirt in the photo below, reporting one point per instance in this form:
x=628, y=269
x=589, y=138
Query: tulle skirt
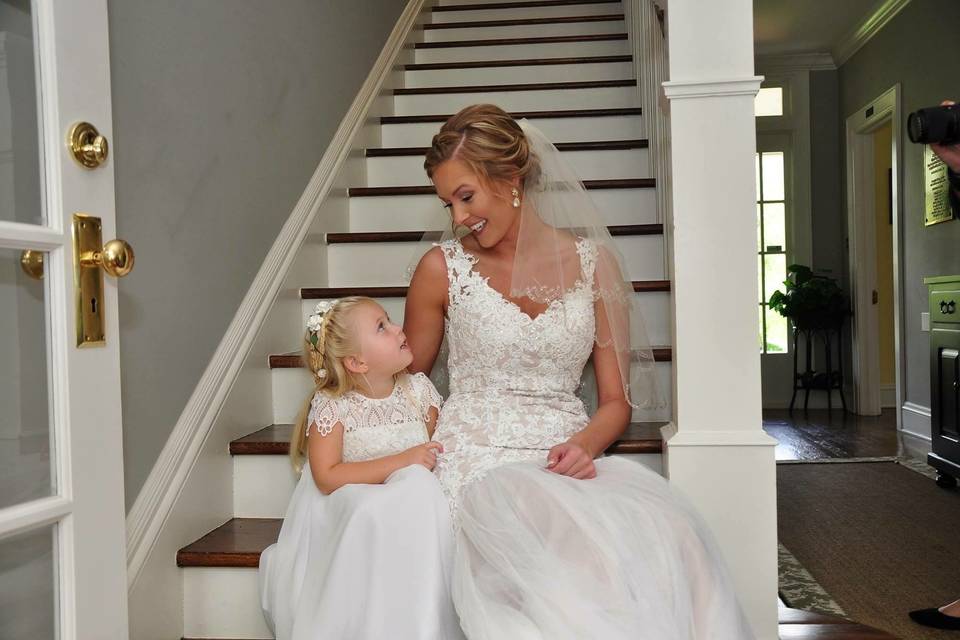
x=543, y=556
x=366, y=562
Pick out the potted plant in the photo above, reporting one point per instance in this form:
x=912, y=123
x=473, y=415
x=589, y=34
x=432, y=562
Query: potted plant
x=810, y=301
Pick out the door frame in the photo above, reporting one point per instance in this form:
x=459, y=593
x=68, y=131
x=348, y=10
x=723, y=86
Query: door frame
x=861, y=239
x=72, y=77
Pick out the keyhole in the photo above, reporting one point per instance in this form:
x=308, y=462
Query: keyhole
x=93, y=305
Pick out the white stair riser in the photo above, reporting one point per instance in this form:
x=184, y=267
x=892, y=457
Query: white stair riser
x=593, y=98
x=518, y=13
x=606, y=164
x=577, y=129
x=416, y=213
x=525, y=31
x=292, y=388
x=523, y=51
x=385, y=264
x=264, y=484
x=222, y=602
x=579, y=72
x=653, y=305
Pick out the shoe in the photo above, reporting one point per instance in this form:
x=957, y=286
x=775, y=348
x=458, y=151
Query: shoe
x=935, y=618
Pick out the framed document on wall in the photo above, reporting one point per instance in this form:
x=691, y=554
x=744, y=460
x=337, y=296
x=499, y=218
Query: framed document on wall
x=938, y=205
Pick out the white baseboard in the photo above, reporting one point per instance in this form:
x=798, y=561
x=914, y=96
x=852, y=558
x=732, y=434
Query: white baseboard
x=915, y=421
x=182, y=452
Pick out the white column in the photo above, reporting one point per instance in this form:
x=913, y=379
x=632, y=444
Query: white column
x=716, y=451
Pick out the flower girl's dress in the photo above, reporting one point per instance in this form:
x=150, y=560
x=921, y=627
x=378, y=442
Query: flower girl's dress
x=368, y=561
x=544, y=556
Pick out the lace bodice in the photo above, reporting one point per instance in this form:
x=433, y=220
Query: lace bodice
x=494, y=345
x=377, y=427
x=512, y=378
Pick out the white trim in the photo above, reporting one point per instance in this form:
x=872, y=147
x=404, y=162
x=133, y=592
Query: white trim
x=20, y=235
x=814, y=61
x=33, y=514
x=673, y=437
x=683, y=89
x=916, y=421
x=181, y=452
x=861, y=258
x=861, y=35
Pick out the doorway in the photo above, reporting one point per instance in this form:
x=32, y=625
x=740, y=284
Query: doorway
x=873, y=136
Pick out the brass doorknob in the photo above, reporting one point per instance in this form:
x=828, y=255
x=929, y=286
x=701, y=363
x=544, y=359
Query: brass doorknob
x=116, y=258
x=88, y=147
x=32, y=263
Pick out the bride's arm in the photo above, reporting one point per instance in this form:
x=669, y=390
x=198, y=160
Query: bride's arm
x=574, y=458
x=423, y=316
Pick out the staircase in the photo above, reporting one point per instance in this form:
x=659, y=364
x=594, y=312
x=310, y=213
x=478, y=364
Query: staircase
x=565, y=65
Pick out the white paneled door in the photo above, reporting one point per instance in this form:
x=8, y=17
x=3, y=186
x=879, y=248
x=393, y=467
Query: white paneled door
x=62, y=556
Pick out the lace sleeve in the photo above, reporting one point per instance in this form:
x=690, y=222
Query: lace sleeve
x=427, y=394
x=325, y=412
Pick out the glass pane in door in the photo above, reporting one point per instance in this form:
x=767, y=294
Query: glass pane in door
x=28, y=579
x=26, y=437
x=21, y=178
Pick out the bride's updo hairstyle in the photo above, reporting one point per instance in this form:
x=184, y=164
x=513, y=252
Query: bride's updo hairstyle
x=489, y=141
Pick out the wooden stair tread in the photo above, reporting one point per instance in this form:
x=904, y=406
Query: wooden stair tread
x=236, y=543
x=522, y=4
x=357, y=237
x=518, y=115
x=599, y=145
x=327, y=293
x=523, y=86
x=504, y=42
x=517, y=22
x=640, y=437
x=475, y=64
x=294, y=360
x=619, y=183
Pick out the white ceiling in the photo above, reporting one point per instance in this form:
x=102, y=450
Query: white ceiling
x=807, y=26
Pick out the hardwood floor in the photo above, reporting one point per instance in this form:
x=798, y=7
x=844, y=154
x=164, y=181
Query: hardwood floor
x=818, y=434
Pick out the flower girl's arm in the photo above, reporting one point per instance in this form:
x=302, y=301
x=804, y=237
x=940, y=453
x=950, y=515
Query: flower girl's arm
x=330, y=472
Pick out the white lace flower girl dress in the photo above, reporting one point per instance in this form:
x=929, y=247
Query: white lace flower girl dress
x=368, y=561
x=539, y=555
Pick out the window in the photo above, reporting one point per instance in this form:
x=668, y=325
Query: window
x=771, y=246
x=769, y=102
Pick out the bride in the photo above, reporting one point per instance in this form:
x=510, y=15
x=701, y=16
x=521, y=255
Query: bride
x=553, y=539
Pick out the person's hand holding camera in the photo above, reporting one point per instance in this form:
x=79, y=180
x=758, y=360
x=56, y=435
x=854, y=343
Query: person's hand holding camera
x=949, y=153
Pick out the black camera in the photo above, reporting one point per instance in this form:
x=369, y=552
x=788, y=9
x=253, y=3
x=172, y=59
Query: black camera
x=935, y=124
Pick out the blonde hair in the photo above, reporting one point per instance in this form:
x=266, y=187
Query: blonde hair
x=336, y=340
x=489, y=141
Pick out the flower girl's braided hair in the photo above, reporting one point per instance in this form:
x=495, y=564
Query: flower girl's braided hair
x=329, y=339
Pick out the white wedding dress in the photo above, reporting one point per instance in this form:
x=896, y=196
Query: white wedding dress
x=543, y=556
x=368, y=561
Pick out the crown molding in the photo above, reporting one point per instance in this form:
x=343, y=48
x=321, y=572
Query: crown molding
x=855, y=39
x=811, y=61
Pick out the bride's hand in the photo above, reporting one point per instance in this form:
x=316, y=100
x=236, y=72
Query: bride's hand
x=570, y=459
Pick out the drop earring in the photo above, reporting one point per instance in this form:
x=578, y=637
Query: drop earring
x=516, y=197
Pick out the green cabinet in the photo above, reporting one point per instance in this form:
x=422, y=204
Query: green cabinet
x=944, y=297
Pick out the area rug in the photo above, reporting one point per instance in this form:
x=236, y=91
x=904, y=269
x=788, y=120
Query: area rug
x=879, y=537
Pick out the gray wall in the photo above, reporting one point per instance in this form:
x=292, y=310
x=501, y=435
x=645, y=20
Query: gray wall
x=919, y=49
x=222, y=110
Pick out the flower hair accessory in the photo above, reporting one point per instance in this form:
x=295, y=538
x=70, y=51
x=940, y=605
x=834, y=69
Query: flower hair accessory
x=315, y=327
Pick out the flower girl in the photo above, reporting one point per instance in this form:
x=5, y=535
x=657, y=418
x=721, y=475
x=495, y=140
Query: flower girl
x=366, y=543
